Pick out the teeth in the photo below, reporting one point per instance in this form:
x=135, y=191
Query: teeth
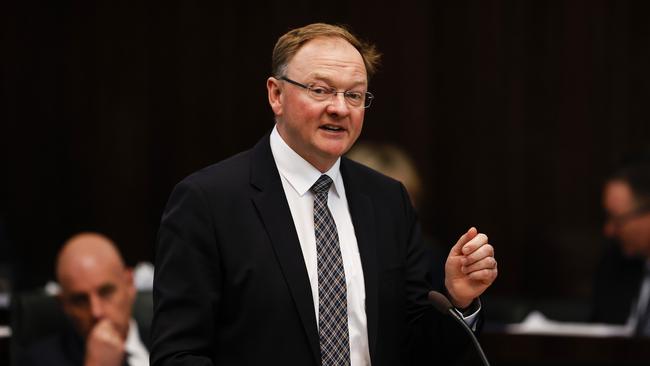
x=332, y=128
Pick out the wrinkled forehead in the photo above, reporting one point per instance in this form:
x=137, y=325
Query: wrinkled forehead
x=328, y=57
x=89, y=274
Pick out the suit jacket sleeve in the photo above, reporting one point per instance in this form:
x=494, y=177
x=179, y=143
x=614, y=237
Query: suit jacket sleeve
x=432, y=336
x=187, y=282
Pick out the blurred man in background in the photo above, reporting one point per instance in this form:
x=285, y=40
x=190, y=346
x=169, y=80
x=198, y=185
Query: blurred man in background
x=622, y=289
x=394, y=162
x=97, y=293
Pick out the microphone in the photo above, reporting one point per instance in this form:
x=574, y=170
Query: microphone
x=442, y=304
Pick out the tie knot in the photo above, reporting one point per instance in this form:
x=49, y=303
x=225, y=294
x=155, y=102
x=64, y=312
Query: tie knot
x=322, y=184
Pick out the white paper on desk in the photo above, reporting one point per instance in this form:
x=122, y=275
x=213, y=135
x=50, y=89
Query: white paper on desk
x=5, y=331
x=536, y=323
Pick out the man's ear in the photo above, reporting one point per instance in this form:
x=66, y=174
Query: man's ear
x=275, y=95
x=130, y=281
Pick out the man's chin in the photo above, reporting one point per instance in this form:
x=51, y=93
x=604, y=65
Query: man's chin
x=334, y=149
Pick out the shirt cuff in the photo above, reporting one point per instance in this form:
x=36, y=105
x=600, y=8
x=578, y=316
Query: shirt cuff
x=470, y=315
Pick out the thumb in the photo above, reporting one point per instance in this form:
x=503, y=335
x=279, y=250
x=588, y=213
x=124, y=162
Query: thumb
x=458, y=247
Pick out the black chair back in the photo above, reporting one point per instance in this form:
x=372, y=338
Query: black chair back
x=36, y=315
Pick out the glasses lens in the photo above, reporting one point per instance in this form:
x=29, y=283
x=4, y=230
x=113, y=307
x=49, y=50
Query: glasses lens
x=319, y=93
x=354, y=98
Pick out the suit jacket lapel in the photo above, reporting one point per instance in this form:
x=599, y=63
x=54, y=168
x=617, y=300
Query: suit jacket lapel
x=363, y=219
x=273, y=208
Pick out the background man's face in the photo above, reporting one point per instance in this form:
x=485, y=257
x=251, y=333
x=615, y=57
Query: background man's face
x=93, y=290
x=321, y=131
x=623, y=224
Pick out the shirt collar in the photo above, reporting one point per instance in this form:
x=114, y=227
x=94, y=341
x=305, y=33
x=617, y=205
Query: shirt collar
x=133, y=345
x=297, y=171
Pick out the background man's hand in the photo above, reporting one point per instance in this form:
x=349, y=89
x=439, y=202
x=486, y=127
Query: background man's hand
x=470, y=268
x=104, y=346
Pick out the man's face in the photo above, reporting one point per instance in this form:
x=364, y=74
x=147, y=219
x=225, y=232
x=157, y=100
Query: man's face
x=624, y=223
x=94, y=290
x=320, y=131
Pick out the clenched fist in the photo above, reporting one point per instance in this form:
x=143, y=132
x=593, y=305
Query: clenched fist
x=104, y=345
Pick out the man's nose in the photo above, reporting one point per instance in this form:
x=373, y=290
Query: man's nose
x=338, y=105
x=96, y=307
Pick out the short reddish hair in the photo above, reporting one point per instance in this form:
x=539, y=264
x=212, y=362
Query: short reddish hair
x=289, y=44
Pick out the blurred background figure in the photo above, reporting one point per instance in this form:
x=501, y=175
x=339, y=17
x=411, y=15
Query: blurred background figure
x=97, y=292
x=622, y=284
x=391, y=161
x=394, y=162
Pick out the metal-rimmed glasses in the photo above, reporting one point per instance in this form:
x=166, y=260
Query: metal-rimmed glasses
x=322, y=93
x=620, y=220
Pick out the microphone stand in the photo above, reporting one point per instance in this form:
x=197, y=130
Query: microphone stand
x=443, y=305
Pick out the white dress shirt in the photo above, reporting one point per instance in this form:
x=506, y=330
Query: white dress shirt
x=639, y=308
x=137, y=354
x=297, y=176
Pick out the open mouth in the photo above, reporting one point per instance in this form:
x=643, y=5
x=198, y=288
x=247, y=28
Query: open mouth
x=332, y=128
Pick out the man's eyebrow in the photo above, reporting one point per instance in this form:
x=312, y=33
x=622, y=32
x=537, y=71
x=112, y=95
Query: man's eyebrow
x=106, y=285
x=329, y=81
x=319, y=77
x=76, y=295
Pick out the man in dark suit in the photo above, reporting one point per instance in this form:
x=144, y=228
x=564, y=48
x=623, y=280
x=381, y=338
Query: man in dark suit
x=288, y=254
x=97, y=294
x=622, y=286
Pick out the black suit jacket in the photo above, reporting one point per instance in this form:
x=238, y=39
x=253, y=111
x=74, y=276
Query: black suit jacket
x=616, y=286
x=64, y=348
x=231, y=286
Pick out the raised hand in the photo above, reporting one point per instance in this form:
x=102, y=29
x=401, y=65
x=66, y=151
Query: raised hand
x=470, y=268
x=104, y=345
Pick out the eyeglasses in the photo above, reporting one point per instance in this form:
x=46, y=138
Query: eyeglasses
x=322, y=93
x=619, y=220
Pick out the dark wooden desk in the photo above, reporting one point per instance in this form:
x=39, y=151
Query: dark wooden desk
x=536, y=350
x=4, y=350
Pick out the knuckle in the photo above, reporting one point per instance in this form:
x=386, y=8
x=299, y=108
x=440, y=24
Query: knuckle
x=484, y=276
x=479, y=275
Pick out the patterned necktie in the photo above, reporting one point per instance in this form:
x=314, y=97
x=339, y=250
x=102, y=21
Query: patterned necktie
x=332, y=291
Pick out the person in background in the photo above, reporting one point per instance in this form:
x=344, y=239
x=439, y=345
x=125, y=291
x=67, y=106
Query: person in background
x=97, y=294
x=622, y=282
x=391, y=161
x=394, y=162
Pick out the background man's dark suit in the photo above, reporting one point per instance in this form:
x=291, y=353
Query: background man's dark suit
x=616, y=286
x=65, y=348
x=231, y=284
